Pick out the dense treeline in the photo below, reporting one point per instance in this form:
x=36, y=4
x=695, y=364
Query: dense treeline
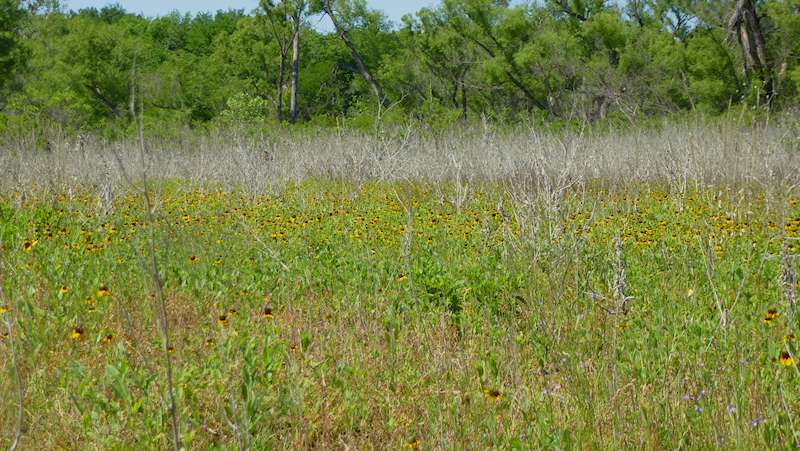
x=560, y=60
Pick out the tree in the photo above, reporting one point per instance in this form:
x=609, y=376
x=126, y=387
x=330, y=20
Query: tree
x=552, y=57
x=713, y=80
x=444, y=53
x=783, y=45
x=491, y=27
x=81, y=73
x=278, y=25
x=11, y=15
x=299, y=12
x=285, y=21
x=653, y=69
x=343, y=8
x=580, y=10
x=746, y=26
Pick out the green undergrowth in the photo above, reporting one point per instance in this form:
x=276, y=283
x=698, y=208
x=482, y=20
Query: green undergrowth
x=399, y=315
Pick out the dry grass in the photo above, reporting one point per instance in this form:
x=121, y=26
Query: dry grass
x=764, y=154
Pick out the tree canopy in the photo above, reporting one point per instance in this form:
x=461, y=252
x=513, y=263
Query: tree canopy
x=572, y=60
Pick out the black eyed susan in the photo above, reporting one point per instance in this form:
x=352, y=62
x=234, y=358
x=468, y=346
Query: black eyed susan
x=402, y=277
x=208, y=342
x=786, y=359
x=170, y=349
x=771, y=315
x=103, y=292
x=107, y=339
x=29, y=245
x=63, y=290
x=222, y=320
x=4, y=309
x=414, y=443
x=266, y=313
x=193, y=259
x=77, y=333
x=493, y=394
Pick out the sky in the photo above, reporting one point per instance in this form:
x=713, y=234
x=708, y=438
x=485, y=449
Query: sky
x=395, y=9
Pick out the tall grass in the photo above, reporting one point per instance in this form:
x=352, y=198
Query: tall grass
x=755, y=154
x=471, y=290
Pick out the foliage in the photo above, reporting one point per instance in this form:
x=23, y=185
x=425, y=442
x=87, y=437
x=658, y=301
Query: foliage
x=559, y=61
x=11, y=16
x=243, y=109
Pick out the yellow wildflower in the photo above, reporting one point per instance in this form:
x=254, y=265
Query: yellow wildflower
x=77, y=333
x=786, y=359
x=493, y=393
x=771, y=315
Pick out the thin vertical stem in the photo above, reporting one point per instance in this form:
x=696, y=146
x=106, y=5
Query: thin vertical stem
x=15, y=366
x=154, y=274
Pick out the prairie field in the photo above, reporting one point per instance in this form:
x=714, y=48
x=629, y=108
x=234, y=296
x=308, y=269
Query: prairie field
x=631, y=290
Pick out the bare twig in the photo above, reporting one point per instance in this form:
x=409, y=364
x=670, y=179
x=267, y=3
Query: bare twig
x=789, y=282
x=619, y=279
x=708, y=264
x=155, y=276
x=409, y=210
x=14, y=362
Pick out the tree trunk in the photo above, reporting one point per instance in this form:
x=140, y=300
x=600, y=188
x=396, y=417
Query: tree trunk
x=295, y=72
x=281, y=77
x=362, y=68
x=745, y=24
x=132, y=104
x=464, y=110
